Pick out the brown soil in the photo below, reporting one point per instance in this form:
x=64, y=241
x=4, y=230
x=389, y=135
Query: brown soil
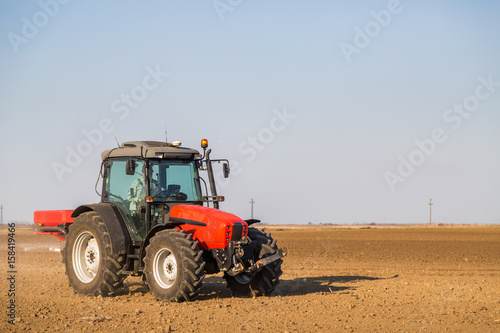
x=354, y=280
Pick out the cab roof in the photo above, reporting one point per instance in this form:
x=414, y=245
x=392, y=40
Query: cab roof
x=150, y=149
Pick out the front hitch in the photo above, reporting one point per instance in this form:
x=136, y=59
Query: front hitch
x=267, y=260
x=239, y=268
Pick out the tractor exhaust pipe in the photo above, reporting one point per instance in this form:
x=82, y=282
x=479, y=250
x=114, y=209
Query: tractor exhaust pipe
x=211, y=178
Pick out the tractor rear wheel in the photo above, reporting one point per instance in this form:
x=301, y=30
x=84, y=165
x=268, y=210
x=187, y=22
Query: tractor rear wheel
x=91, y=266
x=174, y=266
x=264, y=282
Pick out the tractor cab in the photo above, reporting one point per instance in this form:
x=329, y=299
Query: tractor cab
x=145, y=179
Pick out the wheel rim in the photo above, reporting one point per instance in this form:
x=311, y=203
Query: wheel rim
x=86, y=257
x=165, y=268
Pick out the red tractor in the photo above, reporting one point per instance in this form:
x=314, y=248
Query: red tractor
x=154, y=221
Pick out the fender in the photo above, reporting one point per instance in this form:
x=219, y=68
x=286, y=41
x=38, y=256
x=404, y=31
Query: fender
x=120, y=239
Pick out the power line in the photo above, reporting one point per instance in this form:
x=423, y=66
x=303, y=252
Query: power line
x=430, y=212
x=251, y=203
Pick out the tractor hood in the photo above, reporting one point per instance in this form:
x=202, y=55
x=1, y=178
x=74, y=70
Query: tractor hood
x=217, y=228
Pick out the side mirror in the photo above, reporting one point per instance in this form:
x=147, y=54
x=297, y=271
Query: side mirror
x=130, y=169
x=226, y=170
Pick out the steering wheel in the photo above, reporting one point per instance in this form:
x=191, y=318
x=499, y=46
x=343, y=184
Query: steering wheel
x=165, y=193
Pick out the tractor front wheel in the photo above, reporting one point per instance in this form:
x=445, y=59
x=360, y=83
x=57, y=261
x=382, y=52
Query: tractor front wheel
x=265, y=281
x=174, y=266
x=91, y=266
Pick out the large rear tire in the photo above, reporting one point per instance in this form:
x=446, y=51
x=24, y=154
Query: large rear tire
x=264, y=282
x=91, y=266
x=174, y=266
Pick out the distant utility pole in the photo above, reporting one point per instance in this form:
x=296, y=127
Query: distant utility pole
x=430, y=212
x=1, y=209
x=251, y=203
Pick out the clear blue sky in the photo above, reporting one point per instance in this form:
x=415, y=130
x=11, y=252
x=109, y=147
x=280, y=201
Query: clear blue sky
x=331, y=111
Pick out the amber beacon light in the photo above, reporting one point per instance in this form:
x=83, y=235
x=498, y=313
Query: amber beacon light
x=204, y=143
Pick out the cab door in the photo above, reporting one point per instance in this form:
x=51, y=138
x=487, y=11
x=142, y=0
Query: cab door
x=127, y=191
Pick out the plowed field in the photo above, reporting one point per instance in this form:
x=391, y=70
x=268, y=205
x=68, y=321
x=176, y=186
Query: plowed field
x=354, y=280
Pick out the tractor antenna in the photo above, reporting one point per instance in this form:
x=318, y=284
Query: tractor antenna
x=117, y=142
